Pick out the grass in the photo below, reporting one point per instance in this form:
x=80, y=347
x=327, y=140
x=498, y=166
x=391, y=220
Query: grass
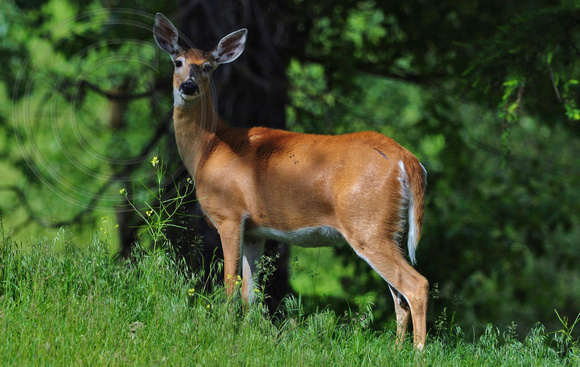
x=62, y=303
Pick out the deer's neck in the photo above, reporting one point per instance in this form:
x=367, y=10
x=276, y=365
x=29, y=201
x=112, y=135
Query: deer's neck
x=195, y=123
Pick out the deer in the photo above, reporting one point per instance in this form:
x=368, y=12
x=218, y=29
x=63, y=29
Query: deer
x=253, y=184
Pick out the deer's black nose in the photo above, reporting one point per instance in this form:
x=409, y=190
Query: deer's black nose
x=189, y=87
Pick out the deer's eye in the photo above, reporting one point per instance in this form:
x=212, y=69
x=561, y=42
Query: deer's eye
x=206, y=68
x=178, y=63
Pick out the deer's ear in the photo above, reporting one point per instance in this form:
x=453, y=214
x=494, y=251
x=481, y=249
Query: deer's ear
x=166, y=35
x=230, y=47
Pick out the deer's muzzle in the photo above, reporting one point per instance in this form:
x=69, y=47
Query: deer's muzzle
x=189, y=88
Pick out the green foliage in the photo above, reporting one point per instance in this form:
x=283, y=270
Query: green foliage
x=66, y=63
x=484, y=93
x=161, y=213
x=564, y=340
x=536, y=49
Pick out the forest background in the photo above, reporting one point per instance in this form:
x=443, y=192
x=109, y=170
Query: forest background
x=485, y=94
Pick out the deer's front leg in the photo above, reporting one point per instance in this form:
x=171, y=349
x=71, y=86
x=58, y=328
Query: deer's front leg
x=230, y=236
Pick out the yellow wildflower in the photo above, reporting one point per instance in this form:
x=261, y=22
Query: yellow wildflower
x=122, y=191
x=155, y=161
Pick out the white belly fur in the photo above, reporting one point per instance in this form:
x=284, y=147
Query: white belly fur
x=304, y=237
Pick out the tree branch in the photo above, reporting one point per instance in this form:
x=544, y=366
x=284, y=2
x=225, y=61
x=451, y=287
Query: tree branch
x=111, y=95
x=116, y=96
x=78, y=218
x=375, y=69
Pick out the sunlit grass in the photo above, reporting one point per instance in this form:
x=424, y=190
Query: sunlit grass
x=79, y=306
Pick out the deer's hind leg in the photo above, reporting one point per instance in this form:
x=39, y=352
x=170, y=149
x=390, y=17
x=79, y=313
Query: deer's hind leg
x=403, y=313
x=409, y=288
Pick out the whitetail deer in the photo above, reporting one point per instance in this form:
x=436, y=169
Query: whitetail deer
x=303, y=189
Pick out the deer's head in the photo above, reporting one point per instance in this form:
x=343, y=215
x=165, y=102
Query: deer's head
x=193, y=67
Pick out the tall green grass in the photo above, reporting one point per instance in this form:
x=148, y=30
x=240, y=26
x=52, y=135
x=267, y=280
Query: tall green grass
x=63, y=303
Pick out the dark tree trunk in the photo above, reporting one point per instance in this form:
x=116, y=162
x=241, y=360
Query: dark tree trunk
x=253, y=89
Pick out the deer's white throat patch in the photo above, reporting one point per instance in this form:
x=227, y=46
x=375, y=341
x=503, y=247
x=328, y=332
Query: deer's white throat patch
x=180, y=99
